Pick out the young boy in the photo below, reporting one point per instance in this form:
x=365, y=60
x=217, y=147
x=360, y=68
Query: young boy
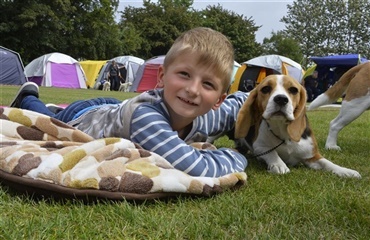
x=191, y=106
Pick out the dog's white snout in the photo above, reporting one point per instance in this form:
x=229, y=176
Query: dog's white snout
x=281, y=99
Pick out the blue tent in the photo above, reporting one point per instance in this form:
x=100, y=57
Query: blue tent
x=339, y=60
x=331, y=68
x=11, y=68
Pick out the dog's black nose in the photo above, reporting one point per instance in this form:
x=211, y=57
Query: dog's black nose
x=281, y=99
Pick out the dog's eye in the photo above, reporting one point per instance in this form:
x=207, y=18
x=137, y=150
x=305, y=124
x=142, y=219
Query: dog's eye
x=266, y=89
x=293, y=90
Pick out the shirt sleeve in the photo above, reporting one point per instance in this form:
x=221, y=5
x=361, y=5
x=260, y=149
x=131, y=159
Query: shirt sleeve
x=223, y=119
x=151, y=130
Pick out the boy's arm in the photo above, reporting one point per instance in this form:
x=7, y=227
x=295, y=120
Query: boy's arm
x=223, y=119
x=152, y=131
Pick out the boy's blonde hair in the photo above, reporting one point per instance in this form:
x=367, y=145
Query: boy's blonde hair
x=213, y=48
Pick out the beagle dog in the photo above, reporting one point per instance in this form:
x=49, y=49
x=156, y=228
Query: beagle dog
x=355, y=83
x=273, y=123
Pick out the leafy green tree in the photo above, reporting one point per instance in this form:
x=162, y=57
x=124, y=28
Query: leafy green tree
x=281, y=44
x=131, y=39
x=150, y=31
x=240, y=30
x=80, y=28
x=32, y=27
x=155, y=26
x=86, y=29
x=94, y=33
x=330, y=26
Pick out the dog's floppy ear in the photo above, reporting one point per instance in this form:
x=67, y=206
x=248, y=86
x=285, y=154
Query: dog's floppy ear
x=245, y=118
x=298, y=125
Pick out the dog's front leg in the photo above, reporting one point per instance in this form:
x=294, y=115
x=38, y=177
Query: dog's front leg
x=274, y=163
x=264, y=148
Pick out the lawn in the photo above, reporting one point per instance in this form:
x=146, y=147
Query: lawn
x=304, y=204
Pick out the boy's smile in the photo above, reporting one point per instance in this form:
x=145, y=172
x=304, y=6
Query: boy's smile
x=188, y=102
x=190, y=89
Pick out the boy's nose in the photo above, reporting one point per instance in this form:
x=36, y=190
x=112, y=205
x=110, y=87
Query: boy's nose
x=193, y=88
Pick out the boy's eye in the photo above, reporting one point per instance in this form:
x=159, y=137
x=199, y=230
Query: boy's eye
x=209, y=84
x=185, y=74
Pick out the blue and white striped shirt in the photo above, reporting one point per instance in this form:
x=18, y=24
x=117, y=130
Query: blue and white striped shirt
x=150, y=128
x=144, y=119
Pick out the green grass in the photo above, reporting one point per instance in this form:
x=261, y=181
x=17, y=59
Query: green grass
x=61, y=95
x=304, y=204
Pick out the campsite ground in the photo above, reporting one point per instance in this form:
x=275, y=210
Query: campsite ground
x=304, y=204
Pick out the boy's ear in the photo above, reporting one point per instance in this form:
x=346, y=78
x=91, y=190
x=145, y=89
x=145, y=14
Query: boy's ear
x=219, y=101
x=160, y=77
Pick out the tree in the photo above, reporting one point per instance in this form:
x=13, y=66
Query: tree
x=240, y=30
x=80, y=28
x=32, y=27
x=281, y=44
x=330, y=26
x=155, y=26
x=95, y=33
x=86, y=29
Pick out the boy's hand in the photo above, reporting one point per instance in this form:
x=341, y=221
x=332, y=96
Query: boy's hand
x=203, y=145
x=234, y=149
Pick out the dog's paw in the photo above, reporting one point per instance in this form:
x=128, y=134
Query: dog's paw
x=278, y=169
x=346, y=172
x=332, y=147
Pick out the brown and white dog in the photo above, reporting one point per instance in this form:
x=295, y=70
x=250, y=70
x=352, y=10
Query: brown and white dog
x=273, y=123
x=355, y=83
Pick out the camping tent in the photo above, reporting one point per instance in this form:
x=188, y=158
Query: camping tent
x=331, y=68
x=253, y=71
x=146, y=76
x=56, y=70
x=11, y=67
x=131, y=63
x=339, y=60
x=92, y=69
x=235, y=69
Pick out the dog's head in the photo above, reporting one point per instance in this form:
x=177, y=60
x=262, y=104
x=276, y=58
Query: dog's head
x=277, y=96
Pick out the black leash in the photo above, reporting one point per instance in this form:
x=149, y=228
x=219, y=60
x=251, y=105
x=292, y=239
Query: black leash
x=268, y=151
x=272, y=149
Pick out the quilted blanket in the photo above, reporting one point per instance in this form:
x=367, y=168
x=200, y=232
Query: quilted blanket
x=41, y=155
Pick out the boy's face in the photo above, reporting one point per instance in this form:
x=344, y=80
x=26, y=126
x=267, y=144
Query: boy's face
x=190, y=90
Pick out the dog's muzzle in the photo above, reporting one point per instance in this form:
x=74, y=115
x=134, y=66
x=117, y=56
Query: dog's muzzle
x=281, y=100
